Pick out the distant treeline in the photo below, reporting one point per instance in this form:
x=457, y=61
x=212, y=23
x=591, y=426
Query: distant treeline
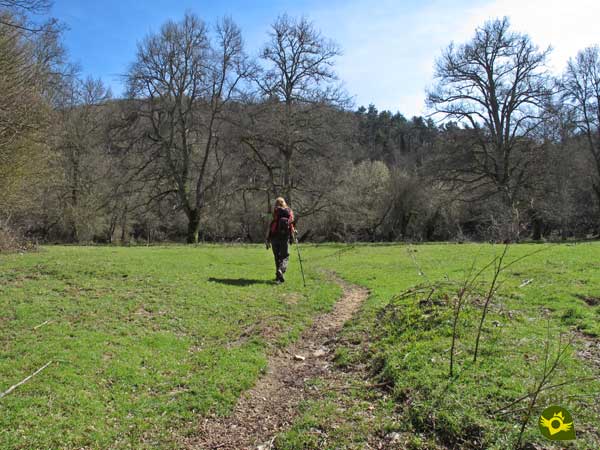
x=207, y=137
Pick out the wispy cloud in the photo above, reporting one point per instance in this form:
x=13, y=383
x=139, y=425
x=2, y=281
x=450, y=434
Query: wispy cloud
x=390, y=47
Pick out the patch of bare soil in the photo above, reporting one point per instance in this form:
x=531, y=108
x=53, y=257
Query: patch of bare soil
x=271, y=405
x=589, y=352
x=292, y=298
x=591, y=301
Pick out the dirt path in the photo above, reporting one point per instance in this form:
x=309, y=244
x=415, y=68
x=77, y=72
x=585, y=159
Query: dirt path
x=271, y=405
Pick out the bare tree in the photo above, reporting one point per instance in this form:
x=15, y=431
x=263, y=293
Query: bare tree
x=300, y=85
x=25, y=114
x=496, y=85
x=32, y=65
x=19, y=95
x=82, y=152
x=581, y=89
x=16, y=14
x=31, y=6
x=180, y=85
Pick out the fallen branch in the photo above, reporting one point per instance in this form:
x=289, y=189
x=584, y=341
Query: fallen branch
x=42, y=324
x=12, y=388
x=525, y=283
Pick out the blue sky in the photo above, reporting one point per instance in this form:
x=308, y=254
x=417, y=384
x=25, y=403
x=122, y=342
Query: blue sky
x=389, y=46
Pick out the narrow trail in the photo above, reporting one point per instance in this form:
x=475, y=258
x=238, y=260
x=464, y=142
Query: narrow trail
x=271, y=405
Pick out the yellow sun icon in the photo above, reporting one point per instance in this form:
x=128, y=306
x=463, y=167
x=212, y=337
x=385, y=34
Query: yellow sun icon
x=556, y=424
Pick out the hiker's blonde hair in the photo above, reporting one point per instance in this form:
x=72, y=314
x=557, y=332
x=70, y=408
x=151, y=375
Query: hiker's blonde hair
x=280, y=202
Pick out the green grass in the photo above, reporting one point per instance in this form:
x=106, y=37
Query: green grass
x=147, y=340
x=143, y=341
x=407, y=344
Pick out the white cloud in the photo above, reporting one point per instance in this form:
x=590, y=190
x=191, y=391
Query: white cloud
x=568, y=26
x=390, y=47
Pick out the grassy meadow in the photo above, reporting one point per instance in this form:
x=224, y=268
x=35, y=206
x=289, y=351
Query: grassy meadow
x=144, y=339
x=147, y=340
x=405, y=344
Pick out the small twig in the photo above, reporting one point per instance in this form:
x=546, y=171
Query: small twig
x=42, y=324
x=378, y=385
x=420, y=289
x=418, y=267
x=409, y=292
x=526, y=396
x=488, y=298
x=513, y=411
x=549, y=368
x=367, y=386
x=12, y=388
x=525, y=283
x=457, y=306
x=467, y=286
x=430, y=294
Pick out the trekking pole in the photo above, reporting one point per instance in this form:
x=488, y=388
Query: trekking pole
x=300, y=259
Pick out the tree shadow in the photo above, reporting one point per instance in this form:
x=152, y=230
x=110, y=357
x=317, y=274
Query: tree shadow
x=239, y=281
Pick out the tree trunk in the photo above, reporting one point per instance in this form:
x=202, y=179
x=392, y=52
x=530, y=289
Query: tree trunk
x=74, y=202
x=124, y=226
x=597, y=192
x=287, y=178
x=74, y=237
x=112, y=228
x=536, y=224
x=193, y=226
x=73, y=233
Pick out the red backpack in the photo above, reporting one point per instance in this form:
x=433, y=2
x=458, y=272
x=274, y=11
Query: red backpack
x=282, y=225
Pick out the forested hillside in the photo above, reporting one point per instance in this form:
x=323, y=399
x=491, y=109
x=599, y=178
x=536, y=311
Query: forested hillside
x=208, y=135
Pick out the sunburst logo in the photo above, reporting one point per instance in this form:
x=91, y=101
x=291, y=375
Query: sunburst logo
x=556, y=424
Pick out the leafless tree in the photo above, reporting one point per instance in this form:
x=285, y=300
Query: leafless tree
x=16, y=14
x=25, y=112
x=82, y=152
x=301, y=89
x=180, y=85
x=496, y=85
x=581, y=89
x=31, y=66
x=17, y=85
x=31, y=6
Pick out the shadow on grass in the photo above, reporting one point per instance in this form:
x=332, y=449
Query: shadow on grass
x=239, y=281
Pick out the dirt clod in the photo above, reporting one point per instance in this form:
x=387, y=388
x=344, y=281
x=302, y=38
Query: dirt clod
x=591, y=301
x=320, y=353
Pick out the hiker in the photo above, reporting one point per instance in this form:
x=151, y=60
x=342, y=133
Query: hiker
x=281, y=232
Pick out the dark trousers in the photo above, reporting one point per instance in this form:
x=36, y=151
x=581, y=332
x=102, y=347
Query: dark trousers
x=281, y=253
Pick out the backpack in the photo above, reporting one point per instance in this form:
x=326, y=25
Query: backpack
x=283, y=223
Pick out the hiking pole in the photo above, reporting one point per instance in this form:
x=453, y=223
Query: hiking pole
x=299, y=259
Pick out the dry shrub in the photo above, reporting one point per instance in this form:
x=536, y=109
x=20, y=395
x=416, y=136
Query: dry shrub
x=12, y=241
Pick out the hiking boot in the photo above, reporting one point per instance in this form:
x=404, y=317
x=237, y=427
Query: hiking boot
x=279, y=276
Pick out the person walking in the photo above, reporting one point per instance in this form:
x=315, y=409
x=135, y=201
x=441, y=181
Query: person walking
x=281, y=231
